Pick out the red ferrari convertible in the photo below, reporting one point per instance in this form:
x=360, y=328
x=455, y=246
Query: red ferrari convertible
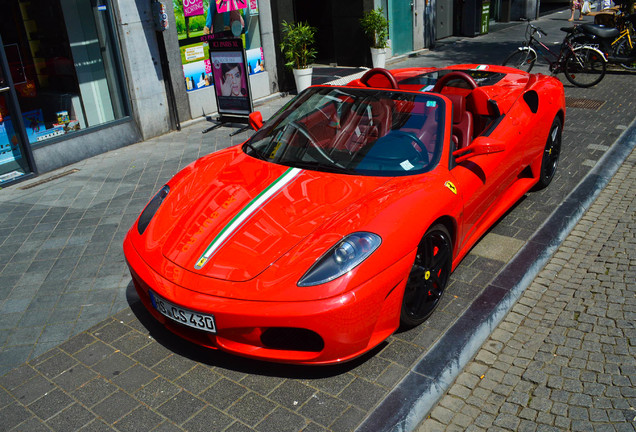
x=344, y=215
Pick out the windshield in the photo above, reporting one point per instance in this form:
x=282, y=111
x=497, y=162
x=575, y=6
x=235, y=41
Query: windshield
x=354, y=131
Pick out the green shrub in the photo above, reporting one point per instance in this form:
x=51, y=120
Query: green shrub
x=298, y=44
x=376, y=27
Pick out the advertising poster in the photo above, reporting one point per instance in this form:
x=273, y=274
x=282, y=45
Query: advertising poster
x=192, y=8
x=198, y=75
x=230, y=77
x=198, y=22
x=255, y=60
x=197, y=70
x=9, y=150
x=253, y=7
x=230, y=5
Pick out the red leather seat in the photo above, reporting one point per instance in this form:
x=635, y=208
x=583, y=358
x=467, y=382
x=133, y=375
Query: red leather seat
x=462, y=128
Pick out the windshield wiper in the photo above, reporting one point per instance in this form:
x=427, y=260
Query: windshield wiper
x=317, y=166
x=255, y=152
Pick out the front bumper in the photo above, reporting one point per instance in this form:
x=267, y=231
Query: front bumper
x=324, y=331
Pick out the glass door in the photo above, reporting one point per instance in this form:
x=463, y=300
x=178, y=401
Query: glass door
x=15, y=159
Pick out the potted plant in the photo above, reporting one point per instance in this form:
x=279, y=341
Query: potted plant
x=376, y=27
x=299, y=52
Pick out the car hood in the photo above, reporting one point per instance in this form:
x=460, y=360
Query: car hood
x=248, y=213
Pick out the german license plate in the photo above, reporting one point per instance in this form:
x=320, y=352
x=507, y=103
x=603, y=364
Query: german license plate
x=183, y=316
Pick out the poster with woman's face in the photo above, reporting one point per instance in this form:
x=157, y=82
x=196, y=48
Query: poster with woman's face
x=230, y=80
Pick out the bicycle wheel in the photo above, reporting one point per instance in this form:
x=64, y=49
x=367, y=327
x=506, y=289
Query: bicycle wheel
x=584, y=67
x=623, y=50
x=522, y=58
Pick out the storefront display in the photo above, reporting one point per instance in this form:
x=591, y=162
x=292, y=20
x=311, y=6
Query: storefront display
x=65, y=71
x=199, y=21
x=61, y=62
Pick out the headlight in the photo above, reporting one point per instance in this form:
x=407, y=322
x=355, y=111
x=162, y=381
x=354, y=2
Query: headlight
x=341, y=258
x=151, y=209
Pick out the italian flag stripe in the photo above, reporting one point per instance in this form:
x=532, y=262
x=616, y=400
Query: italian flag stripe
x=246, y=212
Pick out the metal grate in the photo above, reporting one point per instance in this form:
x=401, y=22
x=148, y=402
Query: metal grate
x=592, y=104
x=46, y=180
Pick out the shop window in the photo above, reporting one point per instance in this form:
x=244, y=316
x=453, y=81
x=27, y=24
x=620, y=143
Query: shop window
x=64, y=66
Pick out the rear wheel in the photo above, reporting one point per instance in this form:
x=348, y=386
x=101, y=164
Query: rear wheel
x=551, y=154
x=523, y=58
x=623, y=50
x=584, y=67
x=429, y=276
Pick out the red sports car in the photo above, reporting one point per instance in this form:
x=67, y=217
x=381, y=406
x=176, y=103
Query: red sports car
x=344, y=215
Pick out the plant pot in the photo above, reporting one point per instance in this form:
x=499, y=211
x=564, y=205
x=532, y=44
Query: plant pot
x=302, y=77
x=378, y=57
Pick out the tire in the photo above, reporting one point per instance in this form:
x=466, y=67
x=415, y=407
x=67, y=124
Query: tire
x=428, y=277
x=522, y=58
x=584, y=67
x=551, y=153
x=622, y=50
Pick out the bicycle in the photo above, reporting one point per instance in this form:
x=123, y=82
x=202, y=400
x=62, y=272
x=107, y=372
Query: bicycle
x=622, y=45
x=583, y=65
x=619, y=45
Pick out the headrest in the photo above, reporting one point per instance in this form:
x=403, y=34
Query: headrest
x=478, y=102
x=459, y=107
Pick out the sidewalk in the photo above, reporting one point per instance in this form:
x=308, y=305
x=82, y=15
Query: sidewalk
x=78, y=352
x=564, y=358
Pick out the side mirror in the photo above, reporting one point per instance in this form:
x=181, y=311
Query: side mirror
x=256, y=120
x=479, y=146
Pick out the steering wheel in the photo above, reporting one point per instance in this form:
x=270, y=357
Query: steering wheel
x=422, y=153
x=441, y=83
x=303, y=130
x=379, y=71
x=399, y=146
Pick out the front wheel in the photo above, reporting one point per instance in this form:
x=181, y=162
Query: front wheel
x=522, y=58
x=584, y=67
x=429, y=276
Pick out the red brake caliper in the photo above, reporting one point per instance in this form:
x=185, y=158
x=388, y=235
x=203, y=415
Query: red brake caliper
x=435, y=251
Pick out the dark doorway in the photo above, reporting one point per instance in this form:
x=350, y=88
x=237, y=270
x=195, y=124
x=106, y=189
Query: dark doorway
x=339, y=38
x=319, y=15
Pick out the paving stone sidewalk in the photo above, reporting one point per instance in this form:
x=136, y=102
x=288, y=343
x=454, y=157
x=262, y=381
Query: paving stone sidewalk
x=564, y=358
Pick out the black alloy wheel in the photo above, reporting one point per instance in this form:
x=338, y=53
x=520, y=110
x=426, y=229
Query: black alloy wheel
x=428, y=278
x=551, y=154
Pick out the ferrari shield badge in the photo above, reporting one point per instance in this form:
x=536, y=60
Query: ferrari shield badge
x=451, y=187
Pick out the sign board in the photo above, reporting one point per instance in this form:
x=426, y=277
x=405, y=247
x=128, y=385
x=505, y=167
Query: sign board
x=230, y=5
x=192, y=8
x=230, y=75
